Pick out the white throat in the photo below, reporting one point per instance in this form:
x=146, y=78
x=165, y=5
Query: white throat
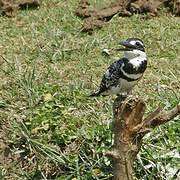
x=135, y=54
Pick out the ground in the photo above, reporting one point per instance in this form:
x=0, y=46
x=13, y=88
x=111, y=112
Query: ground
x=98, y=16
x=49, y=129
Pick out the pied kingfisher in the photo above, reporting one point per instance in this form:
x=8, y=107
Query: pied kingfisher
x=123, y=74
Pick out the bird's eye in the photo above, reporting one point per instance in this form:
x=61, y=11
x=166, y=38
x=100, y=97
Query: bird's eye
x=138, y=44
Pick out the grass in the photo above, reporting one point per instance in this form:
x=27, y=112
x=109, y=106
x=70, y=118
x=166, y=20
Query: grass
x=48, y=67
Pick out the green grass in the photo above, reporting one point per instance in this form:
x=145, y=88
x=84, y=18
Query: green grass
x=47, y=68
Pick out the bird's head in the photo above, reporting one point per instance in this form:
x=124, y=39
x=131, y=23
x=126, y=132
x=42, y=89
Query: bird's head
x=134, y=47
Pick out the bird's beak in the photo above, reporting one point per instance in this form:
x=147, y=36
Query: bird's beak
x=127, y=45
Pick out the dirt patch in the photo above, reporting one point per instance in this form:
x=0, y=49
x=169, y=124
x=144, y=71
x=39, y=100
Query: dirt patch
x=97, y=17
x=13, y=157
x=11, y=7
x=175, y=7
x=6, y=155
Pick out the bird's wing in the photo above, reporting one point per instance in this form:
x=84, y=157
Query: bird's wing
x=111, y=77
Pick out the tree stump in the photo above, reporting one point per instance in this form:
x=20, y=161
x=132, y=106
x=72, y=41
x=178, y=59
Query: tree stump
x=129, y=129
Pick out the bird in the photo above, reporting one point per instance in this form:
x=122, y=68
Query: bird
x=123, y=74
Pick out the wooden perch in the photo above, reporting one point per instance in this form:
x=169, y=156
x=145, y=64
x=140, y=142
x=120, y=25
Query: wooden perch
x=129, y=128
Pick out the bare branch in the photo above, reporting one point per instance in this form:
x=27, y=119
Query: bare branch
x=173, y=113
x=129, y=130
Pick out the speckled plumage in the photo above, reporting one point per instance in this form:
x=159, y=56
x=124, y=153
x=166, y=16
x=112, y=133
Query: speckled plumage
x=123, y=75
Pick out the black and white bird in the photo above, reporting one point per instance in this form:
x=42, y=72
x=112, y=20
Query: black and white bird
x=124, y=74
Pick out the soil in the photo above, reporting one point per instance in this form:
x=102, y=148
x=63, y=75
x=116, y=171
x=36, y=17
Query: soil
x=97, y=17
x=6, y=154
x=11, y=7
x=13, y=156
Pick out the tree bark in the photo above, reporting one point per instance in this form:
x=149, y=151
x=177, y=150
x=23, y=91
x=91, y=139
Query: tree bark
x=129, y=129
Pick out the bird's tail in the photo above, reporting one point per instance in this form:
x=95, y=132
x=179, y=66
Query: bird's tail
x=96, y=94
